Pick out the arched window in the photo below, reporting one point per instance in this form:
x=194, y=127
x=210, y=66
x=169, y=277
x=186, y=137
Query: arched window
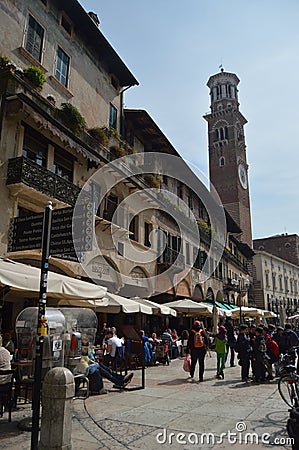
x=226, y=132
x=221, y=134
x=222, y=161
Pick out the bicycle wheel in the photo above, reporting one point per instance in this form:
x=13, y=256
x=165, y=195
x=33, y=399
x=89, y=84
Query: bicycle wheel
x=288, y=389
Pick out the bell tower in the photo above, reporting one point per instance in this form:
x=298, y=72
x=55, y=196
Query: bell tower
x=227, y=150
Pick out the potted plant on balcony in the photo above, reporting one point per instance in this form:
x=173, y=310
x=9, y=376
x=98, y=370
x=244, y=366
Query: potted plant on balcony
x=152, y=180
x=35, y=77
x=100, y=135
x=4, y=61
x=117, y=151
x=71, y=118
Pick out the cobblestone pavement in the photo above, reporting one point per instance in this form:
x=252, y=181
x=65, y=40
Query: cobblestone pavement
x=172, y=412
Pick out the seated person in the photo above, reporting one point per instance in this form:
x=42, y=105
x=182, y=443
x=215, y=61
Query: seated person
x=99, y=370
x=4, y=365
x=113, y=347
x=154, y=341
x=166, y=337
x=8, y=342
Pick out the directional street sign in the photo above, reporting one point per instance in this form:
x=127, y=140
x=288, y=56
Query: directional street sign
x=25, y=233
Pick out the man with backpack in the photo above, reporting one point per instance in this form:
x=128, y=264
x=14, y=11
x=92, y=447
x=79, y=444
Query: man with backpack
x=197, y=347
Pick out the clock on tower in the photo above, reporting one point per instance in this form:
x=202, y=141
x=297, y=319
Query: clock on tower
x=227, y=150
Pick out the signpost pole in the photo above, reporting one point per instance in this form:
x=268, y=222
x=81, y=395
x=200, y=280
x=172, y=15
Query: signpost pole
x=41, y=325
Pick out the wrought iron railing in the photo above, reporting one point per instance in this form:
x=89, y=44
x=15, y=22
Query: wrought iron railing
x=235, y=260
x=23, y=170
x=170, y=256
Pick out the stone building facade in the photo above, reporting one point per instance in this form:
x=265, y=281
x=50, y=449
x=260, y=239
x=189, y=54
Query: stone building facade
x=276, y=283
x=284, y=246
x=45, y=156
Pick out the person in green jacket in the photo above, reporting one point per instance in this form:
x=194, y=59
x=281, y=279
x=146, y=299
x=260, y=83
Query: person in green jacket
x=220, y=347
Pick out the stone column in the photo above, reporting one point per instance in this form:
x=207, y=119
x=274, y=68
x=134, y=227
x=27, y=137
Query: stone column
x=57, y=401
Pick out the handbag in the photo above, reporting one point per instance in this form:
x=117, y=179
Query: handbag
x=187, y=363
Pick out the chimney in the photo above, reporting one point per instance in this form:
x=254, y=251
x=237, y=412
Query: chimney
x=94, y=17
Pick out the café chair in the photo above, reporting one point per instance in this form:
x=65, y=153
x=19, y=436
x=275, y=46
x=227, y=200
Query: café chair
x=6, y=394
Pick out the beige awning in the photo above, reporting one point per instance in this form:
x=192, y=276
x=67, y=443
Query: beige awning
x=156, y=307
x=110, y=303
x=23, y=278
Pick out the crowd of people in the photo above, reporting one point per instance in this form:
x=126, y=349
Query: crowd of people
x=255, y=347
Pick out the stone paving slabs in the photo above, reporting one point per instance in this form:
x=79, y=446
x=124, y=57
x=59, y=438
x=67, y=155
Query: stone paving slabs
x=132, y=419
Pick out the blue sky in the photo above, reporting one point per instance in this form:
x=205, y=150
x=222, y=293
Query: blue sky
x=172, y=48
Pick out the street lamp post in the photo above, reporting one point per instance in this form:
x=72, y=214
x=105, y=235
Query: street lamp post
x=238, y=288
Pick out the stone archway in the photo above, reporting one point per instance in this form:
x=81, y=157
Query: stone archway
x=183, y=289
x=210, y=295
x=139, y=284
x=105, y=273
x=198, y=293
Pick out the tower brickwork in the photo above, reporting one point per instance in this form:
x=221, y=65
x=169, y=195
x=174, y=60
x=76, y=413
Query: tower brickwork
x=227, y=150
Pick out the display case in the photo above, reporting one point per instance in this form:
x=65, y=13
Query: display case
x=81, y=328
x=26, y=332
x=70, y=333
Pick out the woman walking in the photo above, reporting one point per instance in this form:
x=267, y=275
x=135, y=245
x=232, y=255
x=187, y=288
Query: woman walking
x=220, y=348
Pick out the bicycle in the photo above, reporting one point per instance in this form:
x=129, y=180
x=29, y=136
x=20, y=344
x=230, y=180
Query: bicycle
x=288, y=386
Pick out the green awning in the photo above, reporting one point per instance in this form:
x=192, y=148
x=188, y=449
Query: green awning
x=221, y=305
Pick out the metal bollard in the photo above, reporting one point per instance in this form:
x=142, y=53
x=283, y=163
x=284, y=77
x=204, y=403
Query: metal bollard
x=57, y=399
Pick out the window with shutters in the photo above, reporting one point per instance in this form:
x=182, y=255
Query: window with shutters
x=35, y=147
x=34, y=38
x=66, y=24
x=63, y=164
x=62, y=67
x=187, y=253
x=133, y=227
x=148, y=228
x=113, y=116
x=196, y=258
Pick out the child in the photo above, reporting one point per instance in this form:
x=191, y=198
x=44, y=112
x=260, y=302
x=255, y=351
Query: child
x=220, y=348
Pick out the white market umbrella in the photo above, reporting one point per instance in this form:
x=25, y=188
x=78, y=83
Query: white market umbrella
x=24, y=278
x=295, y=316
x=268, y=314
x=158, y=309
x=188, y=306
x=247, y=311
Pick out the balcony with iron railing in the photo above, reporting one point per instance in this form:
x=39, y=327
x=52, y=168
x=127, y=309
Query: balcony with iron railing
x=235, y=260
x=171, y=257
x=23, y=170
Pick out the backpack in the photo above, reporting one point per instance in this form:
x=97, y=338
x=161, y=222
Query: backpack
x=198, y=339
x=273, y=346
